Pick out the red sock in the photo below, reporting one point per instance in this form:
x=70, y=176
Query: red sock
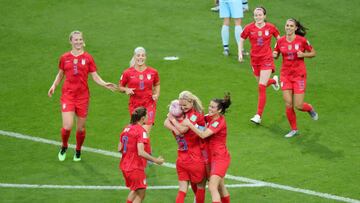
x=180, y=198
x=225, y=199
x=80, y=137
x=270, y=82
x=200, y=195
x=129, y=201
x=65, y=134
x=261, y=99
x=193, y=187
x=291, y=116
x=306, y=107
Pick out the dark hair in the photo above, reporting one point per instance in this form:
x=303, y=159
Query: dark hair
x=262, y=8
x=137, y=114
x=224, y=103
x=301, y=30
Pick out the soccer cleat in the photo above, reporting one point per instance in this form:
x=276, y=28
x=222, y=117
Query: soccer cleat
x=292, y=133
x=62, y=154
x=276, y=86
x=256, y=119
x=77, y=156
x=226, y=52
x=215, y=9
x=314, y=115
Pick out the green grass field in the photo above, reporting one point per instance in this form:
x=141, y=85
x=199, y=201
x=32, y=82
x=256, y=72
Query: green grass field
x=324, y=160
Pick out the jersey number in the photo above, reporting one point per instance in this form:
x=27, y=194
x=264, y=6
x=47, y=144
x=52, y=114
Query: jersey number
x=124, y=140
x=141, y=85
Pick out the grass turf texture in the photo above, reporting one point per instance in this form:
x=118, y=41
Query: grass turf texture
x=33, y=34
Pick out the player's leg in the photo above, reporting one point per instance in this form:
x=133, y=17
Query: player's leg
x=290, y=113
x=225, y=15
x=213, y=188
x=224, y=193
x=80, y=137
x=263, y=80
x=67, y=124
x=183, y=187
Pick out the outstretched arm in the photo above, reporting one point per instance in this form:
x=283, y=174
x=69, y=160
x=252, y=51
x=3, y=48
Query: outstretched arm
x=96, y=77
x=203, y=134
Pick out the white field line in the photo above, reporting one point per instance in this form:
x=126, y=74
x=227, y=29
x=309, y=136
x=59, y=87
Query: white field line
x=105, y=187
x=171, y=165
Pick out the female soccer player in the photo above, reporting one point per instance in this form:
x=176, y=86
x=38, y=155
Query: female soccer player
x=262, y=63
x=131, y=145
x=294, y=47
x=190, y=164
x=219, y=156
x=142, y=84
x=75, y=65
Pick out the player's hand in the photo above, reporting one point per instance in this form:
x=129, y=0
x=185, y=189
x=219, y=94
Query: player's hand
x=186, y=122
x=155, y=97
x=111, y=86
x=300, y=54
x=129, y=91
x=159, y=160
x=51, y=90
x=240, y=57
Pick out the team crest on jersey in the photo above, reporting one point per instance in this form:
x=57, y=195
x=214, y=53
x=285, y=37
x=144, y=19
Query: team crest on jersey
x=297, y=46
x=193, y=118
x=215, y=124
x=83, y=61
x=148, y=76
x=141, y=77
x=145, y=135
x=289, y=47
x=75, y=61
x=267, y=32
x=259, y=33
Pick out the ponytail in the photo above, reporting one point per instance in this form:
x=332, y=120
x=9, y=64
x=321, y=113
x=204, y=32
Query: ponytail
x=301, y=30
x=224, y=103
x=137, y=114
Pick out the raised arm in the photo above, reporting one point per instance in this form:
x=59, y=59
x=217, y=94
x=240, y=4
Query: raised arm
x=170, y=126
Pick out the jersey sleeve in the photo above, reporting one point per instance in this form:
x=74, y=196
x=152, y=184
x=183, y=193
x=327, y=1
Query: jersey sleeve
x=307, y=45
x=61, y=63
x=276, y=32
x=92, y=65
x=245, y=32
x=142, y=137
x=156, y=78
x=216, y=126
x=124, y=78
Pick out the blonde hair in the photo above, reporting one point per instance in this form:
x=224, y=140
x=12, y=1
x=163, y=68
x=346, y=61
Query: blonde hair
x=136, y=51
x=190, y=97
x=76, y=32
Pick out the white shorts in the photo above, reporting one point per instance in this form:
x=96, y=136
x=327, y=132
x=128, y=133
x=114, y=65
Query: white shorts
x=231, y=9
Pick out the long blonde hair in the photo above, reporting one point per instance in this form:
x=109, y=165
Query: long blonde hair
x=190, y=97
x=136, y=51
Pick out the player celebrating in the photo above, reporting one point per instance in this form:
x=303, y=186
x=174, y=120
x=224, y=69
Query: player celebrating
x=142, y=84
x=262, y=63
x=294, y=47
x=75, y=65
x=219, y=156
x=190, y=165
x=131, y=145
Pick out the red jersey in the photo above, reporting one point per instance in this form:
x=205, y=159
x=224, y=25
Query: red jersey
x=291, y=64
x=76, y=70
x=143, y=83
x=217, y=141
x=130, y=137
x=260, y=39
x=189, y=144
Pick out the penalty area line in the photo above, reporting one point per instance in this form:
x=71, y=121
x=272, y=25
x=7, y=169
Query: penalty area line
x=171, y=165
